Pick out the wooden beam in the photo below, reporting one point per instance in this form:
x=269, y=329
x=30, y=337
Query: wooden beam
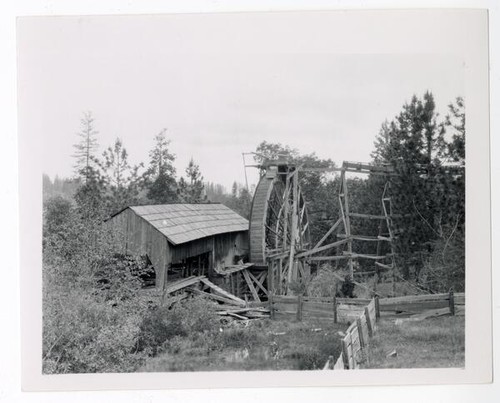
x=321, y=248
x=327, y=258
x=259, y=284
x=224, y=293
x=293, y=234
x=367, y=238
x=364, y=256
x=332, y=228
x=374, y=217
x=304, y=229
x=348, y=224
x=216, y=297
x=185, y=282
x=251, y=286
x=369, y=167
x=237, y=316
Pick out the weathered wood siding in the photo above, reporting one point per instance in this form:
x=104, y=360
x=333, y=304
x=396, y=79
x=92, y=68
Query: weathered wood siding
x=141, y=238
x=224, y=247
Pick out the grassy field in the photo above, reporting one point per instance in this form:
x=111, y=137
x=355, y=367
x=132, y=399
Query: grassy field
x=431, y=343
x=260, y=345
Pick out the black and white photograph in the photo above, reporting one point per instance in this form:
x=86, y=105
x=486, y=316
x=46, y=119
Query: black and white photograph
x=226, y=193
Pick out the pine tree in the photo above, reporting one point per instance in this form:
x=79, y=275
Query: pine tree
x=414, y=144
x=455, y=126
x=159, y=178
x=121, y=178
x=86, y=148
x=191, y=190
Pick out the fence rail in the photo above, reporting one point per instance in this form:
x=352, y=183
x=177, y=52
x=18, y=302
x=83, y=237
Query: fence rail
x=340, y=310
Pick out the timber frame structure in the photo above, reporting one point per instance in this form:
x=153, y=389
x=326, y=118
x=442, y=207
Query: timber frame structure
x=279, y=226
x=386, y=233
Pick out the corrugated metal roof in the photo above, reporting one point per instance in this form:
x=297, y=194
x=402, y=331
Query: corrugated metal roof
x=182, y=223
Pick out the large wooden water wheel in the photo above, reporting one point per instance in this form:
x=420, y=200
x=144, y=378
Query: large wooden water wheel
x=279, y=226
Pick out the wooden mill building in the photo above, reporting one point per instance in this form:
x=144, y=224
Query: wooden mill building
x=183, y=239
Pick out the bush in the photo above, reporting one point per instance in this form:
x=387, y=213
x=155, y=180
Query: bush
x=324, y=283
x=83, y=335
x=185, y=319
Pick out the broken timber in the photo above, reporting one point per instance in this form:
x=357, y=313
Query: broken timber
x=185, y=282
x=222, y=292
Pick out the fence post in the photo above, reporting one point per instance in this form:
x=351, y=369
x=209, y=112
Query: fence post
x=377, y=308
x=360, y=333
x=368, y=322
x=270, y=300
x=299, y=308
x=345, y=354
x=335, y=318
x=452, y=302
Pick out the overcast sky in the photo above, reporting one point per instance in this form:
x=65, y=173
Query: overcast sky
x=219, y=87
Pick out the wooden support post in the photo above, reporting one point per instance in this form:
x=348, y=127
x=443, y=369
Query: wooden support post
x=345, y=353
x=377, y=308
x=369, y=323
x=299, y=307
x=293, y=230
x=360, y=333
x=271, y=304
x=278, y=276
x=452, y=302
x=348, y=225
x=231, y=283
x=271, y=268
x=335, y=318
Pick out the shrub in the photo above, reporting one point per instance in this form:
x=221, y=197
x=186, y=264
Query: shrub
x=185, y=319
x=83, y=335
x=324, y=283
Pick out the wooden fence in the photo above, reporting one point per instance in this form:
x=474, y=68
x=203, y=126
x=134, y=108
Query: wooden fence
x=340, y=310
x=414, y=304
x=357, y=339
x=361, y=315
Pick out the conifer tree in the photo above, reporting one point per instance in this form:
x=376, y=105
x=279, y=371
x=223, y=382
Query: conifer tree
x=191, y=190
x=121, y=178
x=86, y=148
x=159, y=178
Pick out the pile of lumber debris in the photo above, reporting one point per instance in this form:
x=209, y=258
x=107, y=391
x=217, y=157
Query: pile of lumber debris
x=230, y=305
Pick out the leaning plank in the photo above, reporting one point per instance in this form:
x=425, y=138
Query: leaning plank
x=321, y=248
x=431, y=313
x=259, y=284
x=242, y=310
x=233, y=269
x=216, y=297
x=334, y=226
x=222, y=292
x=185, y=282
x=251, y=286
x=237, y=316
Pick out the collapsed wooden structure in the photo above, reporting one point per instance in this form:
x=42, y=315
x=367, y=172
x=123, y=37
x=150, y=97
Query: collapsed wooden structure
x=279, y=226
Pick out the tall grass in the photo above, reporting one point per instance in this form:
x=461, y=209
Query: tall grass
x=431, y=343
